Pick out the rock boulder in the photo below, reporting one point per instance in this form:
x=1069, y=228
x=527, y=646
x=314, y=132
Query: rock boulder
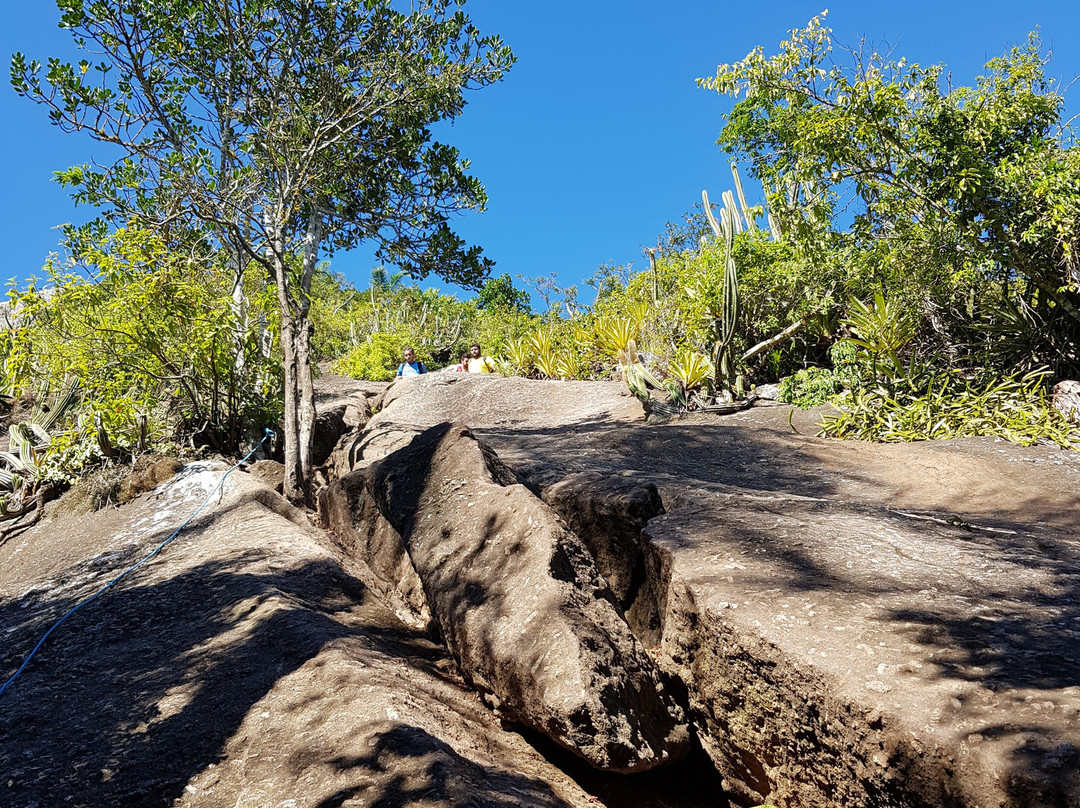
x=608, y=512
x=520, y=603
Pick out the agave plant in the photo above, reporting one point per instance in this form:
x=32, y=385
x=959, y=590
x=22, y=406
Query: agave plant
x=547, y=364
x=519, y=355
x=690, y=369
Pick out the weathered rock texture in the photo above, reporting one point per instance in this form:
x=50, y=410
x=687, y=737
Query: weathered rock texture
x=857, y=625
x=518, y=600
x=840, y=655
x=243, y=666
x=348, y=508
x=329, y=427
x=270, y=473
x=608, y=513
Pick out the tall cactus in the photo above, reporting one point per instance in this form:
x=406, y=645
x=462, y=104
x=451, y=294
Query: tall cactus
x=751, y=222
x=723, y=348
x=729, y=204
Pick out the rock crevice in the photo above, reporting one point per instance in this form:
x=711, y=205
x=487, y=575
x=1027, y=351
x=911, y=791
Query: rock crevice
x=514, y=594
x=831, y=653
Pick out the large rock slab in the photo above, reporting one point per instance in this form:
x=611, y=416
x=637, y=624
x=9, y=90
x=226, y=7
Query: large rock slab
x=520, y=603
x=245, y=665
x=505, y=411
x=608, y=512
x=765, y=703
x=851, y=656
x=350, y=511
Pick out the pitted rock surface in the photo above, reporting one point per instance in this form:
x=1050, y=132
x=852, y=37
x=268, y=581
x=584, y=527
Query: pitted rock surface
x=519, y=602
x=243, y=666
x=937, y=662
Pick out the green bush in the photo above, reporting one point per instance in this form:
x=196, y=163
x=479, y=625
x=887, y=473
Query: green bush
x=155, y=336
x=375, y=359
x=809, y=387
x=847, y=367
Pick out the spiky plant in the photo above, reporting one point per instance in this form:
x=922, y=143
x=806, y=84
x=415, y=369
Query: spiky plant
x=690, y=369
x=542, y=341
x=727, y=318
x=880, y=329
x=569, y=365
x=20, y=467
x=547, y=364
x=613, y=336
x=519, y=355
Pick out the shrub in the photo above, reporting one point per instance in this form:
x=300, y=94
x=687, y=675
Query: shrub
x=155, y=337
x=945, y=405
x=809, y=387
x=375, y=359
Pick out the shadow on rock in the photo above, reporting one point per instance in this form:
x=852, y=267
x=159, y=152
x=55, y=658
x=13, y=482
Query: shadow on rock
x=154, y=679
x=413, y=767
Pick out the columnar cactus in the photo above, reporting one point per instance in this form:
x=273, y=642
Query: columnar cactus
x=723, y=349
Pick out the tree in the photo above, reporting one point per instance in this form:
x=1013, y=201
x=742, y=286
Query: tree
x=281, y=130
x=499, y=293
x=968, y=189
x=149, y=331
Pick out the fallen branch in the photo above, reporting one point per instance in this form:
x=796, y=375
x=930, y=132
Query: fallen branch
x=775, y=340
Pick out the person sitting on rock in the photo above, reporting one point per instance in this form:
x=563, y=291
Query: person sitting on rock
x=477, y=362
x=410, y=367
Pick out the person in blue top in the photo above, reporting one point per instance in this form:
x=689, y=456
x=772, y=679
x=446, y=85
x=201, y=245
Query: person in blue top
x=410, y=367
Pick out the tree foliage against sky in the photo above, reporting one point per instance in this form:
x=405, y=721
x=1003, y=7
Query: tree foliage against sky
x=280, y=129
x=968, y=190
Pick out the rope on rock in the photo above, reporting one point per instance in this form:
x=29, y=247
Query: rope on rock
x=269, y=433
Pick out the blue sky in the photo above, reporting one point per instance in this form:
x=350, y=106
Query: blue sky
x=597, y=136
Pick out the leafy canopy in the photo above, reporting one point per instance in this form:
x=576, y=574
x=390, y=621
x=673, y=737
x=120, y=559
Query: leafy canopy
x=254, y=117
x=965, y=189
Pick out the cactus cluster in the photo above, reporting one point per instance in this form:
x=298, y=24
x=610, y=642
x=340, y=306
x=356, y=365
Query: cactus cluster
x=733, y=221
x=726, y=320
x=21, y=465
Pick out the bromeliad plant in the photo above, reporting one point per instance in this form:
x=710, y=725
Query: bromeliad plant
x=21, y=467
x=618, y=339
x=518, y=355
x=688, y=372
x=880, y=330
x=691, y=369
x=945, y=405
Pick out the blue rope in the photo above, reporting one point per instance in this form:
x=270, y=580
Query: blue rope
x=156, y=550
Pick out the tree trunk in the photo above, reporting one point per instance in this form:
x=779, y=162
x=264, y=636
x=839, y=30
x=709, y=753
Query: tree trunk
x=296, y=330
x=299, y=408
x=305, y=402
x=294, y=487
x=304, y=329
